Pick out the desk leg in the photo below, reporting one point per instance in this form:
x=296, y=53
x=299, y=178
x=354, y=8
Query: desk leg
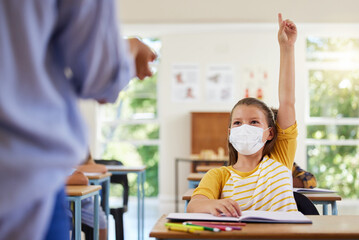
x=143, y=202
x=334, y=208
x=140, y=205
x=95, y=214
x=193, y=184
x=185, y=206
x=105, y=199
x=77, y=219
x=325, y=209
x=176, y=185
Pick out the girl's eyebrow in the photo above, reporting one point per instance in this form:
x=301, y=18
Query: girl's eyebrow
x=250, y=118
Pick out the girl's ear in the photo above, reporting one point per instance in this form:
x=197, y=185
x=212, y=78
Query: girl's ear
x=271, y=134
x=229, y=131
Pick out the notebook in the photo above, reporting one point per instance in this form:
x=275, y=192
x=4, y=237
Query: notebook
x=313, y=190
x=247, y=216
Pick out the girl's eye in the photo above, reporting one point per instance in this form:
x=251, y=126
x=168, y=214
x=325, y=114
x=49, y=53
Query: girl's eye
x=254, y=122
x=236, y=123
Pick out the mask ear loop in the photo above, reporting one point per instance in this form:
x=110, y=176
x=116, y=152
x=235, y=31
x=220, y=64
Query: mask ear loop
x=267, y=129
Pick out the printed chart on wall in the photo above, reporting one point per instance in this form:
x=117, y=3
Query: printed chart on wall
x=219, y=83
x=255, y=81
x=185, y=82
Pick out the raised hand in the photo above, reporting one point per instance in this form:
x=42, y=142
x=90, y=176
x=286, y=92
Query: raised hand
x=287, y=33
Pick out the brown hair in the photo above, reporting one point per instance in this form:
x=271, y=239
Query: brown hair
x=271, y=115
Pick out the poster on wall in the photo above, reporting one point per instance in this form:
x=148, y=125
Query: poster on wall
x=255, y=81
x=185, y=82
x=219, y=83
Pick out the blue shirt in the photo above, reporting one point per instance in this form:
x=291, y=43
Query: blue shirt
x=42, y=135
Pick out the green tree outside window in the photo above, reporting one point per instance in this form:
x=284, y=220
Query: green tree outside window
x=333, y=128
x=129, y=129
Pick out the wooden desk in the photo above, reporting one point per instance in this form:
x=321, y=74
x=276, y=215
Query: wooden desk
x=141, y=177
x=194, y=179
x=102, y=179
x=205, y=168
x=323, y=199
x=195, y=176
x=323, y=227
x=75, y=194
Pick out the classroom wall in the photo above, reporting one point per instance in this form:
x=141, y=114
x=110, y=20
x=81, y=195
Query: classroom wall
x=236, y=11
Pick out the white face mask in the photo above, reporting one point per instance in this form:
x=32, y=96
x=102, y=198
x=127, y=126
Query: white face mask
x=247, y=139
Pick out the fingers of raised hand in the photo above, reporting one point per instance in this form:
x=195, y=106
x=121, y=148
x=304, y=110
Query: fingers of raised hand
x=280, y=19
x=290, y=25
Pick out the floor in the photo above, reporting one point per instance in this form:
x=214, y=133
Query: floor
x=130, y=219
x=345, y=207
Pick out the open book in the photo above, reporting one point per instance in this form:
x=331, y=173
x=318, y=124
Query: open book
x=312, y=190
x=247, y=216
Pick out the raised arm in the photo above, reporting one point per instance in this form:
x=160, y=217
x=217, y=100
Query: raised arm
x=287, y=36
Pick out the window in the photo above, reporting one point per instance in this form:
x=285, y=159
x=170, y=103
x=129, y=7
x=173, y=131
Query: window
x=333, y=114
x=129, y=128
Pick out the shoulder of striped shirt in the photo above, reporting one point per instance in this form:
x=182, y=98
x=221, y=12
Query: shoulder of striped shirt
x=273, y=161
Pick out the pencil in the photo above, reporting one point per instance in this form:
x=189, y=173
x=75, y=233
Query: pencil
x=220, y=227
x=180, y=228
x=213, y=229
x=228, y=228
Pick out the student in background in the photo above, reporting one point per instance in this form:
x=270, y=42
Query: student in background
x=52, y=53
x=87, y=205
x=261, y=150
x=302, y=178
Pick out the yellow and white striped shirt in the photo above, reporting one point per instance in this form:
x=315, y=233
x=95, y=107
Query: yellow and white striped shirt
x=268, y=187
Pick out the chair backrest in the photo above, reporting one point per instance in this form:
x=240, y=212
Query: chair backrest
x=304, y=204
x=119, y=179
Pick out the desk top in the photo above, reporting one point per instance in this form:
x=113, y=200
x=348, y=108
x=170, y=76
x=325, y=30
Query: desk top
x=119, y=168
x=98, y=176
x=312, y=196
x=206, y=168
x=189, y=159
x=81, y=190
x=195, y=176
x=323, y=196
x=329, y=227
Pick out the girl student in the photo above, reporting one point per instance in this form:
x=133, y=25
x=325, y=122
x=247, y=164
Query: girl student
x=261, y=150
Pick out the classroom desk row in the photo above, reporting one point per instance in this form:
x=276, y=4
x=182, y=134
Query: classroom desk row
x=75, y=194
x=102, y=181
x=323, y=199
x=323, y=227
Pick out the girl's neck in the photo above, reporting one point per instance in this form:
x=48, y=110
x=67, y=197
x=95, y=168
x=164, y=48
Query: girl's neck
x=246, y=163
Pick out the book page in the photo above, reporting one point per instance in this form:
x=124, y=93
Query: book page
x=200, y=216
x=267, y=216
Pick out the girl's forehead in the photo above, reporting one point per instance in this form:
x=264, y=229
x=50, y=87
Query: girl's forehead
x=247, y=111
